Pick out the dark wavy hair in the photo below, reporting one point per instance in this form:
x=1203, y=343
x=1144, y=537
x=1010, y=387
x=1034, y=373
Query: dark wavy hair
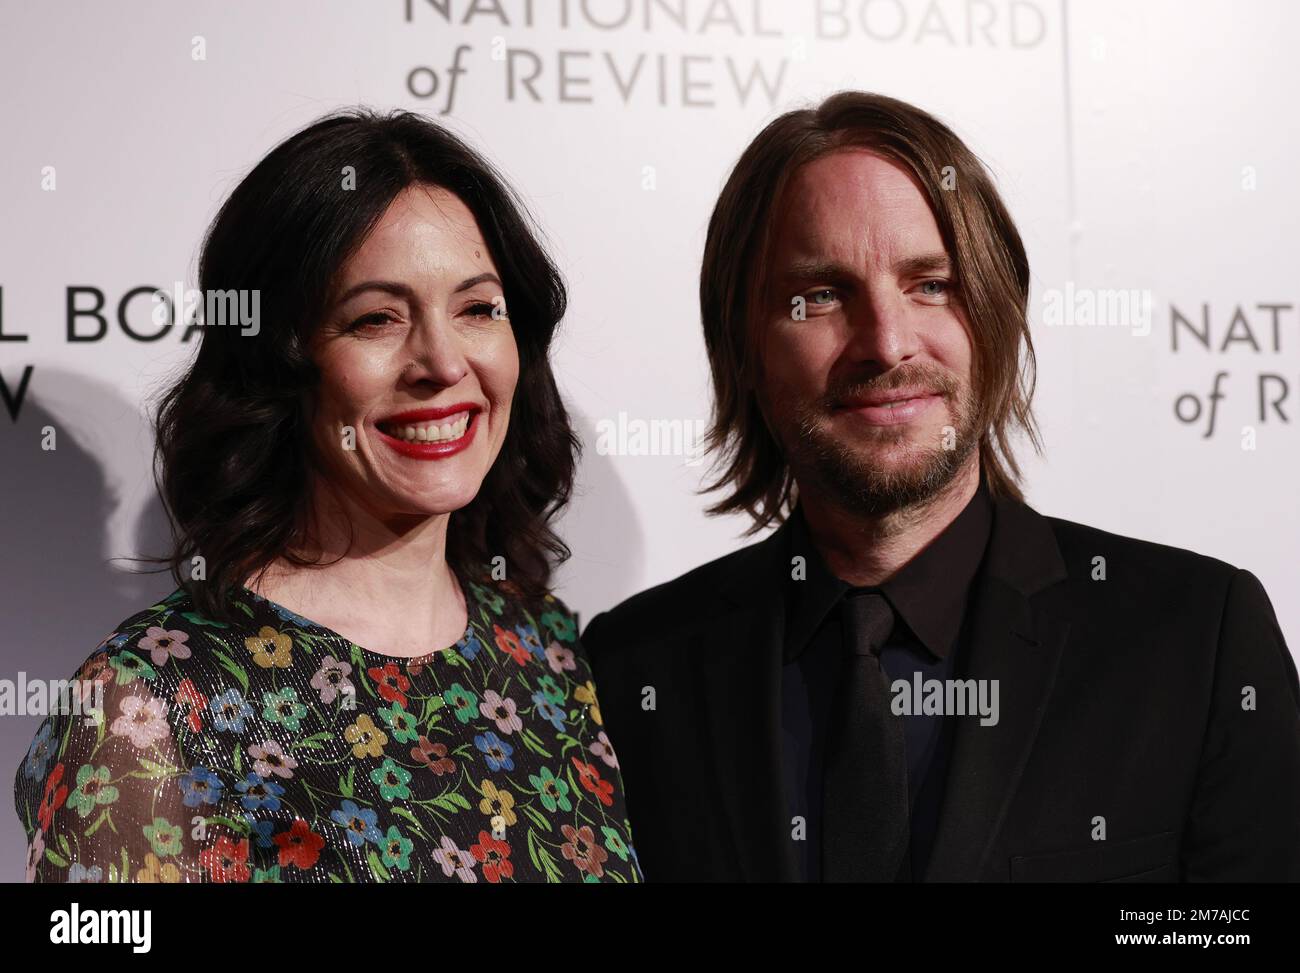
x=992, y=276
x=233, y=459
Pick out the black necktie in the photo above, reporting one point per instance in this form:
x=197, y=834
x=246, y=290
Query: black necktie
x=865, y=829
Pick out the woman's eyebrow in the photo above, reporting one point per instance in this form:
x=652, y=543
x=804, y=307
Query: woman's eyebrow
x=399, y=289
x=474, y=281
x=394, y=287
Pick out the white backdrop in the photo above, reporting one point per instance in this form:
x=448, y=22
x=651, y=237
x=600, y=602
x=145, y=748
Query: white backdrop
x=1141, y=147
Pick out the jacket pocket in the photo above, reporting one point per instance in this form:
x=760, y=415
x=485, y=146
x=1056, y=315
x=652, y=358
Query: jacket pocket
x=1150, y=858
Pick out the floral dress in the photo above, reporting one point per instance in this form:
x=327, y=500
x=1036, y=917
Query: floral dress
x=276, y=750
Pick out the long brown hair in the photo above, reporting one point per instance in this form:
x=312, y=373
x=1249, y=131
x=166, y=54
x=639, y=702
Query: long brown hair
x=988, y=258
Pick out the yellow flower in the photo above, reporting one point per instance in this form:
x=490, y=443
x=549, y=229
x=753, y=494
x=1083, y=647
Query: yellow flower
x=270, y=648
x=587, y=694
x=155, y=871
x=497, y=802
x=367, y=739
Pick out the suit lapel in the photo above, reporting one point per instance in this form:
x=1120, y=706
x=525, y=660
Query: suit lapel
x=740, y=653
x=1017, y=641
x=1014, y=638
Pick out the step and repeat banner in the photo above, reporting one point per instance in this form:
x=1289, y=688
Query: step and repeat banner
x=1145, y=150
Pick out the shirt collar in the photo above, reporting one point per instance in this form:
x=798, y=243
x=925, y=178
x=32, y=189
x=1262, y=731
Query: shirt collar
x=929, y=592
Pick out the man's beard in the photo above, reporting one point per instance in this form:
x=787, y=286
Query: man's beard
x=849, y=473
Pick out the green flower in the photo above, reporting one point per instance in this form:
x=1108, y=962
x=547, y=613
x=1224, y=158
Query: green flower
x=164, y=837
x=551, y=689
x=401, y=722
x=490, y=600
x=283, y=708
x=131, y=667
x=465, y=701
x=391, y=778
x=614, y=842
x=553, y=791
x=93, y=789
x=397, y=849
x=268, y=876
x=560, y=625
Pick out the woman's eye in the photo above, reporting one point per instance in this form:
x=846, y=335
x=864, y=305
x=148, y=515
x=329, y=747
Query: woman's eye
x=941, y=285
x=369, y=319
x=484, y=310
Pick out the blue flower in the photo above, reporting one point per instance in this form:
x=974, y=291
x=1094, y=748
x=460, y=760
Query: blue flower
x=80, y=873
x=469, y=646
x=229, y=710
x=261, y=830
x=201, y=786
x=547, y=710
x=259, y=793
x=528, y=636
x=289, y=616
x=359, y=822
x=40, y=752
x=495, y=750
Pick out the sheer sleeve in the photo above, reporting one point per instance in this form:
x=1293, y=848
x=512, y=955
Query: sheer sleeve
x=104, y=795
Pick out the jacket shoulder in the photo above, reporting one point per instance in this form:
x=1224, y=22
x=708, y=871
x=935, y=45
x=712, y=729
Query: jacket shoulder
x=1080, y=544
x=675, y=604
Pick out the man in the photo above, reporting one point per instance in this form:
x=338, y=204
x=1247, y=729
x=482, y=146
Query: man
x=917, y=677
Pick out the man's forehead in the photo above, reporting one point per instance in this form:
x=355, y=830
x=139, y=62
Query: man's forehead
x=858, y=206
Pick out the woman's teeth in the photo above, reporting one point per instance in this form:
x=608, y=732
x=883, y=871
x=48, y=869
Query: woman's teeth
x=431, y=432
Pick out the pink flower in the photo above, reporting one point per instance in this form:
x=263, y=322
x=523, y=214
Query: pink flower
x=603, y=749
x=560, y=658
x=162, y=644
x=34, y=852
x=453, y=860
x=501, y=711
x=143, y=721
x=269, y=758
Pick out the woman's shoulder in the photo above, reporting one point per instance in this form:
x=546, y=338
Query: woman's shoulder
x=545, y=614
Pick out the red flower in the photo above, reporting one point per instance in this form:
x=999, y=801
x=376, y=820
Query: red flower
x=391, y=683
x=590, y=778
x=299, y=846
x=51, y=804
x=495, y=856
x=509, y=642
x=187, y=694
x=227, y=860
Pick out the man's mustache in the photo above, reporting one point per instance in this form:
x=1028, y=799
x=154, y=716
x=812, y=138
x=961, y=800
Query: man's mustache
x=934, y=381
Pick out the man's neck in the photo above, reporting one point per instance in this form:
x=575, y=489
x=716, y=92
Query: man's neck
x=867, y=549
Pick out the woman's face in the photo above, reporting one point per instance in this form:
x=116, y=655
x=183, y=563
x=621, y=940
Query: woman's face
x=418, y=362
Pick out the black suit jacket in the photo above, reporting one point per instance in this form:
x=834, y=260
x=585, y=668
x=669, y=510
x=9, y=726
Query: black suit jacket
x=1121, y=702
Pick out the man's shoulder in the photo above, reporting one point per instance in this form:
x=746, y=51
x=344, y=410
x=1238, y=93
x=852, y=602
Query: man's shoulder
x=1090, y=551
x=680, y=602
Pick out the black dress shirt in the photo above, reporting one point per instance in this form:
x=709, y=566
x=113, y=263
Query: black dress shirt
x=929, y=596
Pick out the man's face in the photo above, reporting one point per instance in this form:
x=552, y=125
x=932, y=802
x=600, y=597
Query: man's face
x=870, y=395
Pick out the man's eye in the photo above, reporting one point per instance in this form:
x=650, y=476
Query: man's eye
x=827, y=293
x=941, y=285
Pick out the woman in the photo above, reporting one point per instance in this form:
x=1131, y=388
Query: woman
x=361, y=676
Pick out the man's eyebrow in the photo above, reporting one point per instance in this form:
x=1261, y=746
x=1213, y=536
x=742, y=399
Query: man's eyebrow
x=924, y=263
x=815, y=269
x=398, y=289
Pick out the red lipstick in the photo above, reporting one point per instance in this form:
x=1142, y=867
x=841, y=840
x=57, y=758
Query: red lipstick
x=430, y=450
